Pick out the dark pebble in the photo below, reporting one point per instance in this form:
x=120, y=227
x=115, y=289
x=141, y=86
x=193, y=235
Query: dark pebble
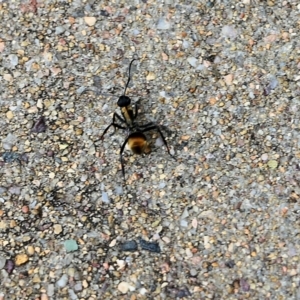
x=9, y=157
x=40, y=125
x=9, y=266
x=104, y=13
x=50, y=153
x=210, y=4
x=45, y=226
x=230, y=264
x=129, y=246
x=24, y=157
x=150, y=246
x=183, y=293
x=244, y=285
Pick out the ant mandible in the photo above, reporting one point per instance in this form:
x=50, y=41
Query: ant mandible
x=136, y=139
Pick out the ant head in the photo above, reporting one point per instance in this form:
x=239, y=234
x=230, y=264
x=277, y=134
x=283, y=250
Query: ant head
x=123, y=101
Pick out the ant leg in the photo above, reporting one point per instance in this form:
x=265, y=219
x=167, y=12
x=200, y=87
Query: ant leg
x=156, y=127
x=107, y=128
x=113, y=123
x=115, y=126
x=121, y=156
x=119, y=118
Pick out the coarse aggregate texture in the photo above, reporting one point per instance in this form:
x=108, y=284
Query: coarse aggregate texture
x=221, y=79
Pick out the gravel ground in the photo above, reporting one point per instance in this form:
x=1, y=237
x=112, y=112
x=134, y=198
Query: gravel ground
x=222, y=80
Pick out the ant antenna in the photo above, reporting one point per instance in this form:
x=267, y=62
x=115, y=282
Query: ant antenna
x=129, y=75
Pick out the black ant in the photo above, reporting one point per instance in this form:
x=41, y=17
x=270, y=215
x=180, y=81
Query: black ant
x=136, y=138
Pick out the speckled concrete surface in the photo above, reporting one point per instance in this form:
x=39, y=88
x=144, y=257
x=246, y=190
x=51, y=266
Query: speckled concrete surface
x=221, y=79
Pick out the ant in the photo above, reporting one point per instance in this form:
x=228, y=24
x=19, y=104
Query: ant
x=136, y=139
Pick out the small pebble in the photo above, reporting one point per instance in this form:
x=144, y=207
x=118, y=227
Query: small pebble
x=273, y=164
x=183, y=293
x=40, y=125
x=21, y=259
x=14, y=60
x=59, y=30
x=62, y=282
x=2, y=262
x=30, y=250
x=230, y=264
x=9, y=115
x=105, y=198
x=50, y=290
x=163, y=24
x=44, y=297
x=57, y=229
x=72, y=295
x=90, y=21
x=9, y=266
x=71, y=245
x=7, y=77
x=193, y=61
x=123, y=287
x=150, y=76
x=9, y=141
x=78, y=287
x=229, y=32
x=25, y=209
x=228, y=79
x=159, y=142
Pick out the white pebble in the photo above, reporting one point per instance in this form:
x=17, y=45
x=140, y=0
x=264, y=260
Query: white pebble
x=123, y=287
x=163, y=24
x=143, y=291
x=9, y=141
x=159, y=142
x=135, y=31
x=183, y=223
x=59, y=30
x=80, y=90
x=78, y=287
x=201, y=67
x=119, y=190
x=90, y=21
x=62, y=282
x=273, y=83
x=84, y=177
x=193, y=61
x=251, y=95
x=72, y=295
x=185, y=44
x=2, y=190
x=105, y=108
x=162, y=185
x=28, y=65
x=14, y=60
x=229, y=32
x=105, y=198
x=2, y=262
x=50, y=290
x=162, y=94
x=15, y=190
x=185, y=213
